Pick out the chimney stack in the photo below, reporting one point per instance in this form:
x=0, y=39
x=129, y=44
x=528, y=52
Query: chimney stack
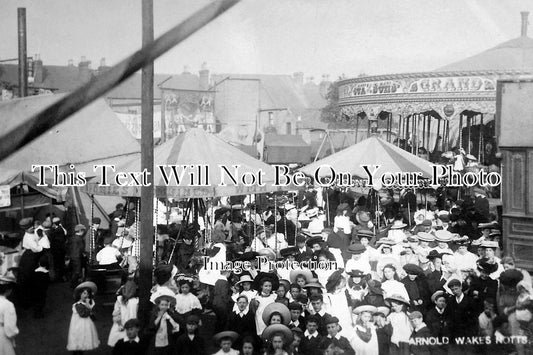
x=38, y=74
x=204, y=77
x=298, y=78
x=84, y=74
x=525, y=15
x=102, y=66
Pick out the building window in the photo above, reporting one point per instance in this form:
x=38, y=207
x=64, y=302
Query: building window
x=289, y=128
x=271, y=118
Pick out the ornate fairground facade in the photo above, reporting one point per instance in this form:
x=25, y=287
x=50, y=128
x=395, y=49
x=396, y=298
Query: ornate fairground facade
x=433, y=112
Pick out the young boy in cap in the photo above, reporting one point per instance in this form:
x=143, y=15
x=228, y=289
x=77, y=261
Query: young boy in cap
x=297, y=321
x=226, y=340
x=131, y=344
x=304, y=252
x=190, y=343
x=312, y=339
x=41, y=281
x=76, y=251
x=317, y=303
x=333, y=328
x=242, y=320
x=421, y=332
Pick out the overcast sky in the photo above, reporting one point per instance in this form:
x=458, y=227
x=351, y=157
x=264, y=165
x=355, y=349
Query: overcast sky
x=271, y=36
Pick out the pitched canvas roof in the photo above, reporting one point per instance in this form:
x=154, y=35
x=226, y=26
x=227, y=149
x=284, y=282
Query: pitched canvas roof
x=92, y=133
x=371, y=151
x=516, y=54
x=195, y=148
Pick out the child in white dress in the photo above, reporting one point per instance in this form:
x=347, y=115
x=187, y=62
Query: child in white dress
x=82, y=334
x=125, y=309
x=8, y=317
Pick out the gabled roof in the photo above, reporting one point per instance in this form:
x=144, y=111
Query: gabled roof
x=183, y=81
x=281, y=92
x=131, y=88
x=516, y=54
x=55, y=77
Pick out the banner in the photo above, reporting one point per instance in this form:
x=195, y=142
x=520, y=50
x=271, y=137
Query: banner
x=5, y=196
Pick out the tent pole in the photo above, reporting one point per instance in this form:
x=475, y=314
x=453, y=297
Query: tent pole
x=399, y=134
x=356, y=127
x=481, y=152
x=21, y=201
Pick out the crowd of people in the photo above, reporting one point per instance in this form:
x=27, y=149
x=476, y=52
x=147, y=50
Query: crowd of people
x=402, y=279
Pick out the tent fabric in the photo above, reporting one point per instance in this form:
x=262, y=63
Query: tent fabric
x=32, y=180
x=286, y=149
x=195, y=148
x=92, y=133
x=372, y=151
x=30, y=201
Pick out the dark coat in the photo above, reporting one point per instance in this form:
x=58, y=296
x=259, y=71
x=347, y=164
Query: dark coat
x=420, y=349
x=127, y=348
x=186, y=346
x=311, y=346
x=321, y=322
x=417, y=290
x=438, y=324
x=463, y=318
x=341, y=343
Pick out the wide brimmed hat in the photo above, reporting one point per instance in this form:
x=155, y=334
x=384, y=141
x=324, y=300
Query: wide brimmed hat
x=245, y=278
x=248, y=256
x=443, y=236
x=398, y=224
x=386, y=241
x=362, y=217
x=163, y=273
x=412, y=269
x=334, y=241
x=511, y=277
x=489, y=244
x=288, y=251
x=313, y=284
x=461, y=241
x=266, y=276
x=277, y=328
x=312, y=212
x=366, y=308
x=365, y=233
x=375, y=287
x=484, y=265
x=479, y=191
x=334, y=279
x=437, y=294
x=277, y=307
x=488, y=225
x=226, y=334
x=397, y=298
x=434, y=254
x=171, y=300
x=8, y=279
x=425, y=237
x=85, y=285
x=331, y=320
x=26, y=223
x=304, y=272
x=314, y=240
x=356, y=273
x=383, y=310
x=356, y=249
x=285, y=283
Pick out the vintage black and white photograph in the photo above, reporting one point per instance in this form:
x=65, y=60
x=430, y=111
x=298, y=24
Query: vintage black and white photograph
x=253, y=177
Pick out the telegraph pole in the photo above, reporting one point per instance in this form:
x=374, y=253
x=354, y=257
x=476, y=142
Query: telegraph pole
x=147, y=162
x=23, y=62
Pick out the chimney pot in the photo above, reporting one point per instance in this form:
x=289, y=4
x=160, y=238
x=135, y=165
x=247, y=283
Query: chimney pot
x=525, y=15
x=70, y=63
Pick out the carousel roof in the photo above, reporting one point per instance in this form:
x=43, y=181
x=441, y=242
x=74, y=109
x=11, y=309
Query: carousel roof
x=371, y=151
x=516, y=54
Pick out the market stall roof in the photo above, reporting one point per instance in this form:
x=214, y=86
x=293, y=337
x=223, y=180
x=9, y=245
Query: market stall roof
x=206, y=153
x=371, y=151
x=286, y=149
x=92, y=133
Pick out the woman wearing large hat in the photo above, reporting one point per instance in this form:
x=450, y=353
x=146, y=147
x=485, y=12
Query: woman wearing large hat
x=365, y=340
x=337, y=299
x=266, y=285
x=276, y=310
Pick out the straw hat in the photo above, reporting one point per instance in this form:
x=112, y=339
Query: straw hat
x=304, y=272
x=225, y=334
x=425, y=237
x=277, y=307
x=383, y=310
x=397, y=298
x=366, y=308
x=277, y=328
x=436, y=295
x=85, y=285
x=398, y=224
x=443, y=236
x=244, y=278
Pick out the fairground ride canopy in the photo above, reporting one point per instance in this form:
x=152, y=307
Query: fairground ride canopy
x=464, y=88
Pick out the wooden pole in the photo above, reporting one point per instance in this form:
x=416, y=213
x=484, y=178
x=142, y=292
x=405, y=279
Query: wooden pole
x=30, y=129
x=460, y=131
x=356, y=127
x=147, y=162
x=163, y=118
x=399, y=135
x=481, y=151
x=23, y=61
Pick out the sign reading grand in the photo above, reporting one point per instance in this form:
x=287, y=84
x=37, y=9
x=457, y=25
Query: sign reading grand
x=416, y=86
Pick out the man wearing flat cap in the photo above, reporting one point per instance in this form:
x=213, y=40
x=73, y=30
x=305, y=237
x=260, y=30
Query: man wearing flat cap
x=304, y=252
